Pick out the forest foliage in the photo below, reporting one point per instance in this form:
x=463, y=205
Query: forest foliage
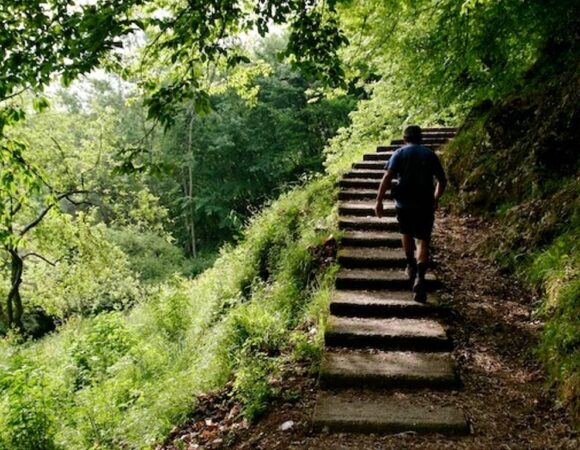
x=111, y=265
x=215, y=144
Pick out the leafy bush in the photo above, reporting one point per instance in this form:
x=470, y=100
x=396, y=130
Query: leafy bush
x=150, y=254
x=90, y=274
x=102, y=344
x=253, y=384
x=27, y=414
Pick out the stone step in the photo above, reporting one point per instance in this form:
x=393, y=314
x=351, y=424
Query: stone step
x=364, y=208
x=374, y=279
x=435, y=146
x=381, y=304
x=383, y=157
x=359, y=183
x=387, y=148
x=372, y=165
x=428, y=142
x=400, y=370
x=371, y=239
x=371, y=257
x=386, y=334
x=368, y=223
x=434, y=136
x=365, y=173
x=359, y=194
x=370, y=413
x=451, y=130
x=432, y=145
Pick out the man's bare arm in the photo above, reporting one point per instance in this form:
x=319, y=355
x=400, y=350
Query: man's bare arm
x=385, y=184
x=441, y=181
x=440, y=189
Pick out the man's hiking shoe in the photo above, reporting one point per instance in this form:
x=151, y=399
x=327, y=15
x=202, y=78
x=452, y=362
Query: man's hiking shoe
x=420, y=296
x=411, y=272
x=419, y=290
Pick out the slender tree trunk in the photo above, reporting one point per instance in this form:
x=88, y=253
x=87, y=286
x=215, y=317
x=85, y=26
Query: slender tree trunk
x=14, y=309
x=186, y=220
x=3, y=316
x=190, y=193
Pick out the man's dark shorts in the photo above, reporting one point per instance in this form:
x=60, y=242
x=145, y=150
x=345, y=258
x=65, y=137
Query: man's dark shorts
x=418, y=222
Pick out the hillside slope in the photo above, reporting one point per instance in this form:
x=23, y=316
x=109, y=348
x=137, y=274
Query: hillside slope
x=517, y=162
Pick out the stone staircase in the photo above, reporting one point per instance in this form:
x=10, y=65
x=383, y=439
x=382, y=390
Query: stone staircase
x=385, y=354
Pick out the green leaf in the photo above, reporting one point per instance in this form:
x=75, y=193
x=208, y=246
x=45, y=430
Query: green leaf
x=40, y=103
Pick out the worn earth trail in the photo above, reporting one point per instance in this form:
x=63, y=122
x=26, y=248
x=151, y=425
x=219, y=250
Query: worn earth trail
x=458, y=372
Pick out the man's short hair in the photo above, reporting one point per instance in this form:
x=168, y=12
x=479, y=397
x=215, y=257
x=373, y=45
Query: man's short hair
x=413, y=134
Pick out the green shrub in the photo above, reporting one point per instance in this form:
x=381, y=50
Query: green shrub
x=306, y=348
x=169, y=309
x=560, y=348
x=253, y=384
x=26, y=410
x=91, y=274
x=104, y=341
x=150, y=254
x=255, y=328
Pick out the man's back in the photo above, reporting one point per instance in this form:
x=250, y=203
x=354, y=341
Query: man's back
x=416, y=167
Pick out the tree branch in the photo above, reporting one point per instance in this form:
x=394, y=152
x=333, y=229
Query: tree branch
x=82, y=202
x=45, y=211
x=14, y=94
x=39, y=256
x=62, y=154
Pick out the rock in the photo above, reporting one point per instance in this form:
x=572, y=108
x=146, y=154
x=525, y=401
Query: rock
x=287, y=425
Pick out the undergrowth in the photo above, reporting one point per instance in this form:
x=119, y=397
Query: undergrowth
x=556, y=271
x=124, y=379
x=515, y=162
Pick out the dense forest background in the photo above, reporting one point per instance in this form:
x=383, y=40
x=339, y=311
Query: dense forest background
x=167, y=186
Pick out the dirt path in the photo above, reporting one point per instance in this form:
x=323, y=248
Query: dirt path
x=494, y=333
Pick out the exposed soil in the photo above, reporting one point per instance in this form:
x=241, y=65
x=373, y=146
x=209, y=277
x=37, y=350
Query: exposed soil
x=504, y=395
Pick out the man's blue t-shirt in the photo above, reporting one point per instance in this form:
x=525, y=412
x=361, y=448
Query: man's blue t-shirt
x=415, y=167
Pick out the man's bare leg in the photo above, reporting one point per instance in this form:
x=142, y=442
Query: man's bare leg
x=422, y=264
x=409, y=248
x=422, y=251
x=408, y=243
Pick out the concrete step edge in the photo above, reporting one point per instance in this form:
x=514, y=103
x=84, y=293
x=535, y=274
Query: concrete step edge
x=343, y=413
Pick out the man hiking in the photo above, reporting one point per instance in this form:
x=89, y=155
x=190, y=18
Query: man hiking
x=416, y=199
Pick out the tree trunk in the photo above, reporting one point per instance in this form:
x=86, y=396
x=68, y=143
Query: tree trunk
x=190, y=193
x=3, y=316
x=191, y=221
x=14, y=309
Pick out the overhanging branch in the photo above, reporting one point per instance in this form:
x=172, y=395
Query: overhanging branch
x=46, y=210
x=40, y=257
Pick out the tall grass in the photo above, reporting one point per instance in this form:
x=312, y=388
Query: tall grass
x=123, y=379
